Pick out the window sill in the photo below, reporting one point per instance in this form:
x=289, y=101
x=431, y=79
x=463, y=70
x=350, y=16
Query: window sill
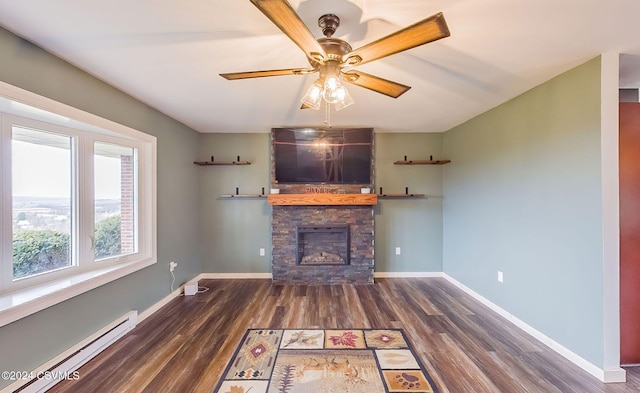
x=22, y=303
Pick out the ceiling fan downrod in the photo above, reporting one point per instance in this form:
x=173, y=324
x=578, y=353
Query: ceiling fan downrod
x=329, y=24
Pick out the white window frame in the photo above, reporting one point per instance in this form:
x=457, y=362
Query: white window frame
x=26, y=296
x=7, y=283
x=90, y=143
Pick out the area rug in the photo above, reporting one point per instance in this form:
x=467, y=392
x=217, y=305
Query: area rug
x=332, y=361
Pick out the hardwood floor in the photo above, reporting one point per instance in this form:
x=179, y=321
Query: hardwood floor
x=465, y=347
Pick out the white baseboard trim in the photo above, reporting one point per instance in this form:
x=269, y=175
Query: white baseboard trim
x=605, y=375
x=614, y=375
x=231, y=276
x=406, y=274
x=158, y=305
x=240, y=276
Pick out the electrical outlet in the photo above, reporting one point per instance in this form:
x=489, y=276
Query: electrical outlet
x=397, y=250
x=262, y=252
x=500, y=276
x=172, y=266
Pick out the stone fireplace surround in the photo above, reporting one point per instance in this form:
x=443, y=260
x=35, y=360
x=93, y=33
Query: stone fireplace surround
x=285, y=269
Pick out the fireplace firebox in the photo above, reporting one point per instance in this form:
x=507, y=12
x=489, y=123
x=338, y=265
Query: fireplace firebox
x=323, y=244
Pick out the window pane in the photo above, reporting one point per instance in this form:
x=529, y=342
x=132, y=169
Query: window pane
x=115, y=204
x=41, y=176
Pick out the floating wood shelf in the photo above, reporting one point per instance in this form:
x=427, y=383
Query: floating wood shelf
x=322, y=199
x=208, y=163
x=422, y=162
x=243, y=196
x=400, y=195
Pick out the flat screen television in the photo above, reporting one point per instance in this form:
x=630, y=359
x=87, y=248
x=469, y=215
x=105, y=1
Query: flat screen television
x=315, y=155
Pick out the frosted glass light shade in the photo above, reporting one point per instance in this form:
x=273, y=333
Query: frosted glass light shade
x=344, y=100
x=313, y=96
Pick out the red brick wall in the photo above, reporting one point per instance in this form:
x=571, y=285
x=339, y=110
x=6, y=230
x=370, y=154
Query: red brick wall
x=127, y=217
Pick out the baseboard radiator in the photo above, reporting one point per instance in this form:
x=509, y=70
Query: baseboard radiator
x=64, y=366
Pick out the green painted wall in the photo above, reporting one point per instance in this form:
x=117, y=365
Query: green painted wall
x=414, y=225
x=233, y=230
x=35, y=339
x=523, y=196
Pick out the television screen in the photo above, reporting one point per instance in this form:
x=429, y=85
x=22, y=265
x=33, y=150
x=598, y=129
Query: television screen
x=311, y=155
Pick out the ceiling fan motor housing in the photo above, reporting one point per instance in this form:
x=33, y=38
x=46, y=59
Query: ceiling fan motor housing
x=334, y=49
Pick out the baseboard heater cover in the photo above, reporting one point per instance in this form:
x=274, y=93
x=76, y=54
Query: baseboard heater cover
x=64, y=369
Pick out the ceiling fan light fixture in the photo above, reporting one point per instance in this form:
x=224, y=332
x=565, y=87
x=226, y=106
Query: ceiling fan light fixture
x=313, y=96
x=335, y=93
x=333, y=89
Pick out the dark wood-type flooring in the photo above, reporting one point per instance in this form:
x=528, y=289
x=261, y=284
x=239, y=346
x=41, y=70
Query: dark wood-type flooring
x=185, y=346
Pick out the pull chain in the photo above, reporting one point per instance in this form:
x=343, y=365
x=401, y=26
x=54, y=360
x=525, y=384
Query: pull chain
x=327, y=114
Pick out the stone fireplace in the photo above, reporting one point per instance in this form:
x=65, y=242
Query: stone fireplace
x=357, y=267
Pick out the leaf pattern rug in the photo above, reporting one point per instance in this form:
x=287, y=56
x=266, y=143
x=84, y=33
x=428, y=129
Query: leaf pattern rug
x=324, y=360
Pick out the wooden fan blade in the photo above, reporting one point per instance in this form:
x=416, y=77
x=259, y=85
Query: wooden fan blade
x=285, y=17
x=375, y=83
x=260, y=74
x=428, y=30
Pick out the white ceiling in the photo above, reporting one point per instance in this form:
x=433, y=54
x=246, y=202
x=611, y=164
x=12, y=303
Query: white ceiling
x=168, y=54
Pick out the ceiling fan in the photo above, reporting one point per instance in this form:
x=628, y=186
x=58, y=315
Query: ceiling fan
x=334, y=58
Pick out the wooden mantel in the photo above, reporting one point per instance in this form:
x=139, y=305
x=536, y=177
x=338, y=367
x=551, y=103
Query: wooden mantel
x=322, y=199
